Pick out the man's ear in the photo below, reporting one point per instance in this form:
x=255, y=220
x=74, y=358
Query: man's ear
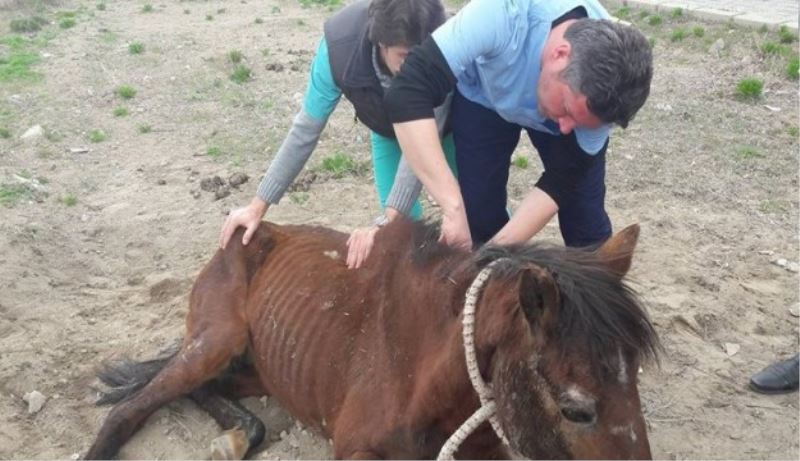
x=617, y=252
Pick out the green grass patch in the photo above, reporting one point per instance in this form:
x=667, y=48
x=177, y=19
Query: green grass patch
x=698, y=31
x=235, y=56
x=676, y=13
x=97, y=136
x=187, y=11
x=209, y=17
x=678, y=35
x=147, y=8
x=221, y=11
x=329, y=3
x=144, y=129
x=299, y=197
x=66, y=23
x=101, y=7
x=16, y=66
x=793, y=68
x=69, y=200
x=655, y=20
x=125, y=92
x=749, y=88
x=748, y=152
x=241, y=74
x=4, y=133
x=643, y=14
x=623, y=12
x=521, y=162
x=301, y=22
x=214, y=152
x=340, y=165
x=775, y=48
x=136, y=48
x=121, y=112
x=763, y=29
x=259, y=21
x=27, y=25
x=786, y=35
x=10, y=194
x=793, y=131
x=276, y=10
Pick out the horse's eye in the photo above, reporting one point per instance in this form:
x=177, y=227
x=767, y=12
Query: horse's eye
x=579, y=415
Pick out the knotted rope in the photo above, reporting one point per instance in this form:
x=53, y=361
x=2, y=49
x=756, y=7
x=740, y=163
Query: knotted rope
x=488, y=406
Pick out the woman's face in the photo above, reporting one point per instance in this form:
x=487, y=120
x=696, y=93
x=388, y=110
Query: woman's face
x=393, y=56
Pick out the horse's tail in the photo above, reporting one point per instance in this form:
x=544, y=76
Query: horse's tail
x=125, y=376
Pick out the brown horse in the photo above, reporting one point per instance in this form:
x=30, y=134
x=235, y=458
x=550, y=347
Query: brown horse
x=374, y=358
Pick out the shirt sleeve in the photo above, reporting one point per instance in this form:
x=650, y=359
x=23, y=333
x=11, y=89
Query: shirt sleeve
x=481, y=29
x=322, y=94
x=592, y=140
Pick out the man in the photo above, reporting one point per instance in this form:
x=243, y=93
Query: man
x=556, y=68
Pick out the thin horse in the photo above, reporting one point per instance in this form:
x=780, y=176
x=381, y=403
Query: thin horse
x=374, y=358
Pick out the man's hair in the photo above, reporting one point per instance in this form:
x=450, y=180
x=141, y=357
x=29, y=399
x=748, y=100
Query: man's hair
x=612, y=65
x=404, y=22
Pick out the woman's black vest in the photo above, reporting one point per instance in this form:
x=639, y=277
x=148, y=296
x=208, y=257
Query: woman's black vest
x=350, y=52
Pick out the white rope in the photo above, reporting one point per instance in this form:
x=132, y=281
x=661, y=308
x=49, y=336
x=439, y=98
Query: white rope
x=488, y=407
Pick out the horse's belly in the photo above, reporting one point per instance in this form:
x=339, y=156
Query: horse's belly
x=303, y=338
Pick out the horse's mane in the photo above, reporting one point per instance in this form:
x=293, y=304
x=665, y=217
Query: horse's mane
x=600, y=313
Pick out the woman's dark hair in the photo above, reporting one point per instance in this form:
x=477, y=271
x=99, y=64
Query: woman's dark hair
x=403, y=22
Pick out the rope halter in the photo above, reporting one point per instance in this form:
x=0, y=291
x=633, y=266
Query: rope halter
x=488, y=407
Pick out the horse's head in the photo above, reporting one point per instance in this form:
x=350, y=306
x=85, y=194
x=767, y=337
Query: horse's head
x=561, y=345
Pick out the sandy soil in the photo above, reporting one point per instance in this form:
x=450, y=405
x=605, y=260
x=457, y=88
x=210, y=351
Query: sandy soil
x=99, y=251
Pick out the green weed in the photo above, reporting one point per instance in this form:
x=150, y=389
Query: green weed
x=235, y=56
x=786, y=35
x=97, y=136
x=677, y=35
x=125, y=92
x=241, y=74
x=521, y=162
x=23, y=25
x=749, y=88
x=121, y=112
x=655, y=20
x=136, y=48
x=793, y=68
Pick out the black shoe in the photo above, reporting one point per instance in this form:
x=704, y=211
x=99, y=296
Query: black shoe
x=779, y=378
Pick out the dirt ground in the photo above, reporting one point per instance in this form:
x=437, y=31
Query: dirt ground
x=100, y=241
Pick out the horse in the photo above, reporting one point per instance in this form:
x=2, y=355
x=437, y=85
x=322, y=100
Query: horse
x=374, y=358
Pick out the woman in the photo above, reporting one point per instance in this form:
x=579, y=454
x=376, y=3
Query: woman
x=363, y=47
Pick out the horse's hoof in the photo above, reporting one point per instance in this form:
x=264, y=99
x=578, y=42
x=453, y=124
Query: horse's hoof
x=232, y=444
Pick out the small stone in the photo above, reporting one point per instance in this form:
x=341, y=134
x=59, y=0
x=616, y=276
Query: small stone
x=35, y=400
x=78, y=150
x=793, y=267
x=161, y=182
x=772, y=108
x=283, y=434
x=211, y=184
x=781, y=262
x=222, y=192
x=264, y=400
x=731, y=349
x=195, y=193
x=795, y=311
x=717, y=47
x=75, y=456
x=33, y=132
x=237, y=179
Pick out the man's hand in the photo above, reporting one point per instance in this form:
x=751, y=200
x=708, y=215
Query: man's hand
x=455, y=230
x=248, y=217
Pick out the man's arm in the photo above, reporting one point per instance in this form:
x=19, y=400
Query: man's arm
x=535, y=211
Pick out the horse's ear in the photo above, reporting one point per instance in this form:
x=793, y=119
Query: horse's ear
x=617, y=252
x=538, y=296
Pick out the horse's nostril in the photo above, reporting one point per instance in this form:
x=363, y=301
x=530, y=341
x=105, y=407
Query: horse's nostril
x=579, y=415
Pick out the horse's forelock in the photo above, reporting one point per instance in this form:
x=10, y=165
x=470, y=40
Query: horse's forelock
x=600, y=314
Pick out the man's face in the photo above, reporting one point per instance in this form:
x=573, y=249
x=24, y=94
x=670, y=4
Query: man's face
x=393, y=57
x=556, y=99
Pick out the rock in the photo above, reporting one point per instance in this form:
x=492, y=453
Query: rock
x=731, y=349
x=795, y=311
x=79, y=150
x=161, y=182
x=222, y=192
x=793, y=267
x=781, y=262
x=211, y=184
x=35, y=401
x=237, y=179
x=75, y=456
x=717, y=47
x=33, y=132
x=275, y=67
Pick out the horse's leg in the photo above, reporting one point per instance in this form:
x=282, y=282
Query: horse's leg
x=243, y=429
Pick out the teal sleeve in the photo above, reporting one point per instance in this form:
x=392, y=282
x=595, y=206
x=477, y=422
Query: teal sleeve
x=322, y=93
